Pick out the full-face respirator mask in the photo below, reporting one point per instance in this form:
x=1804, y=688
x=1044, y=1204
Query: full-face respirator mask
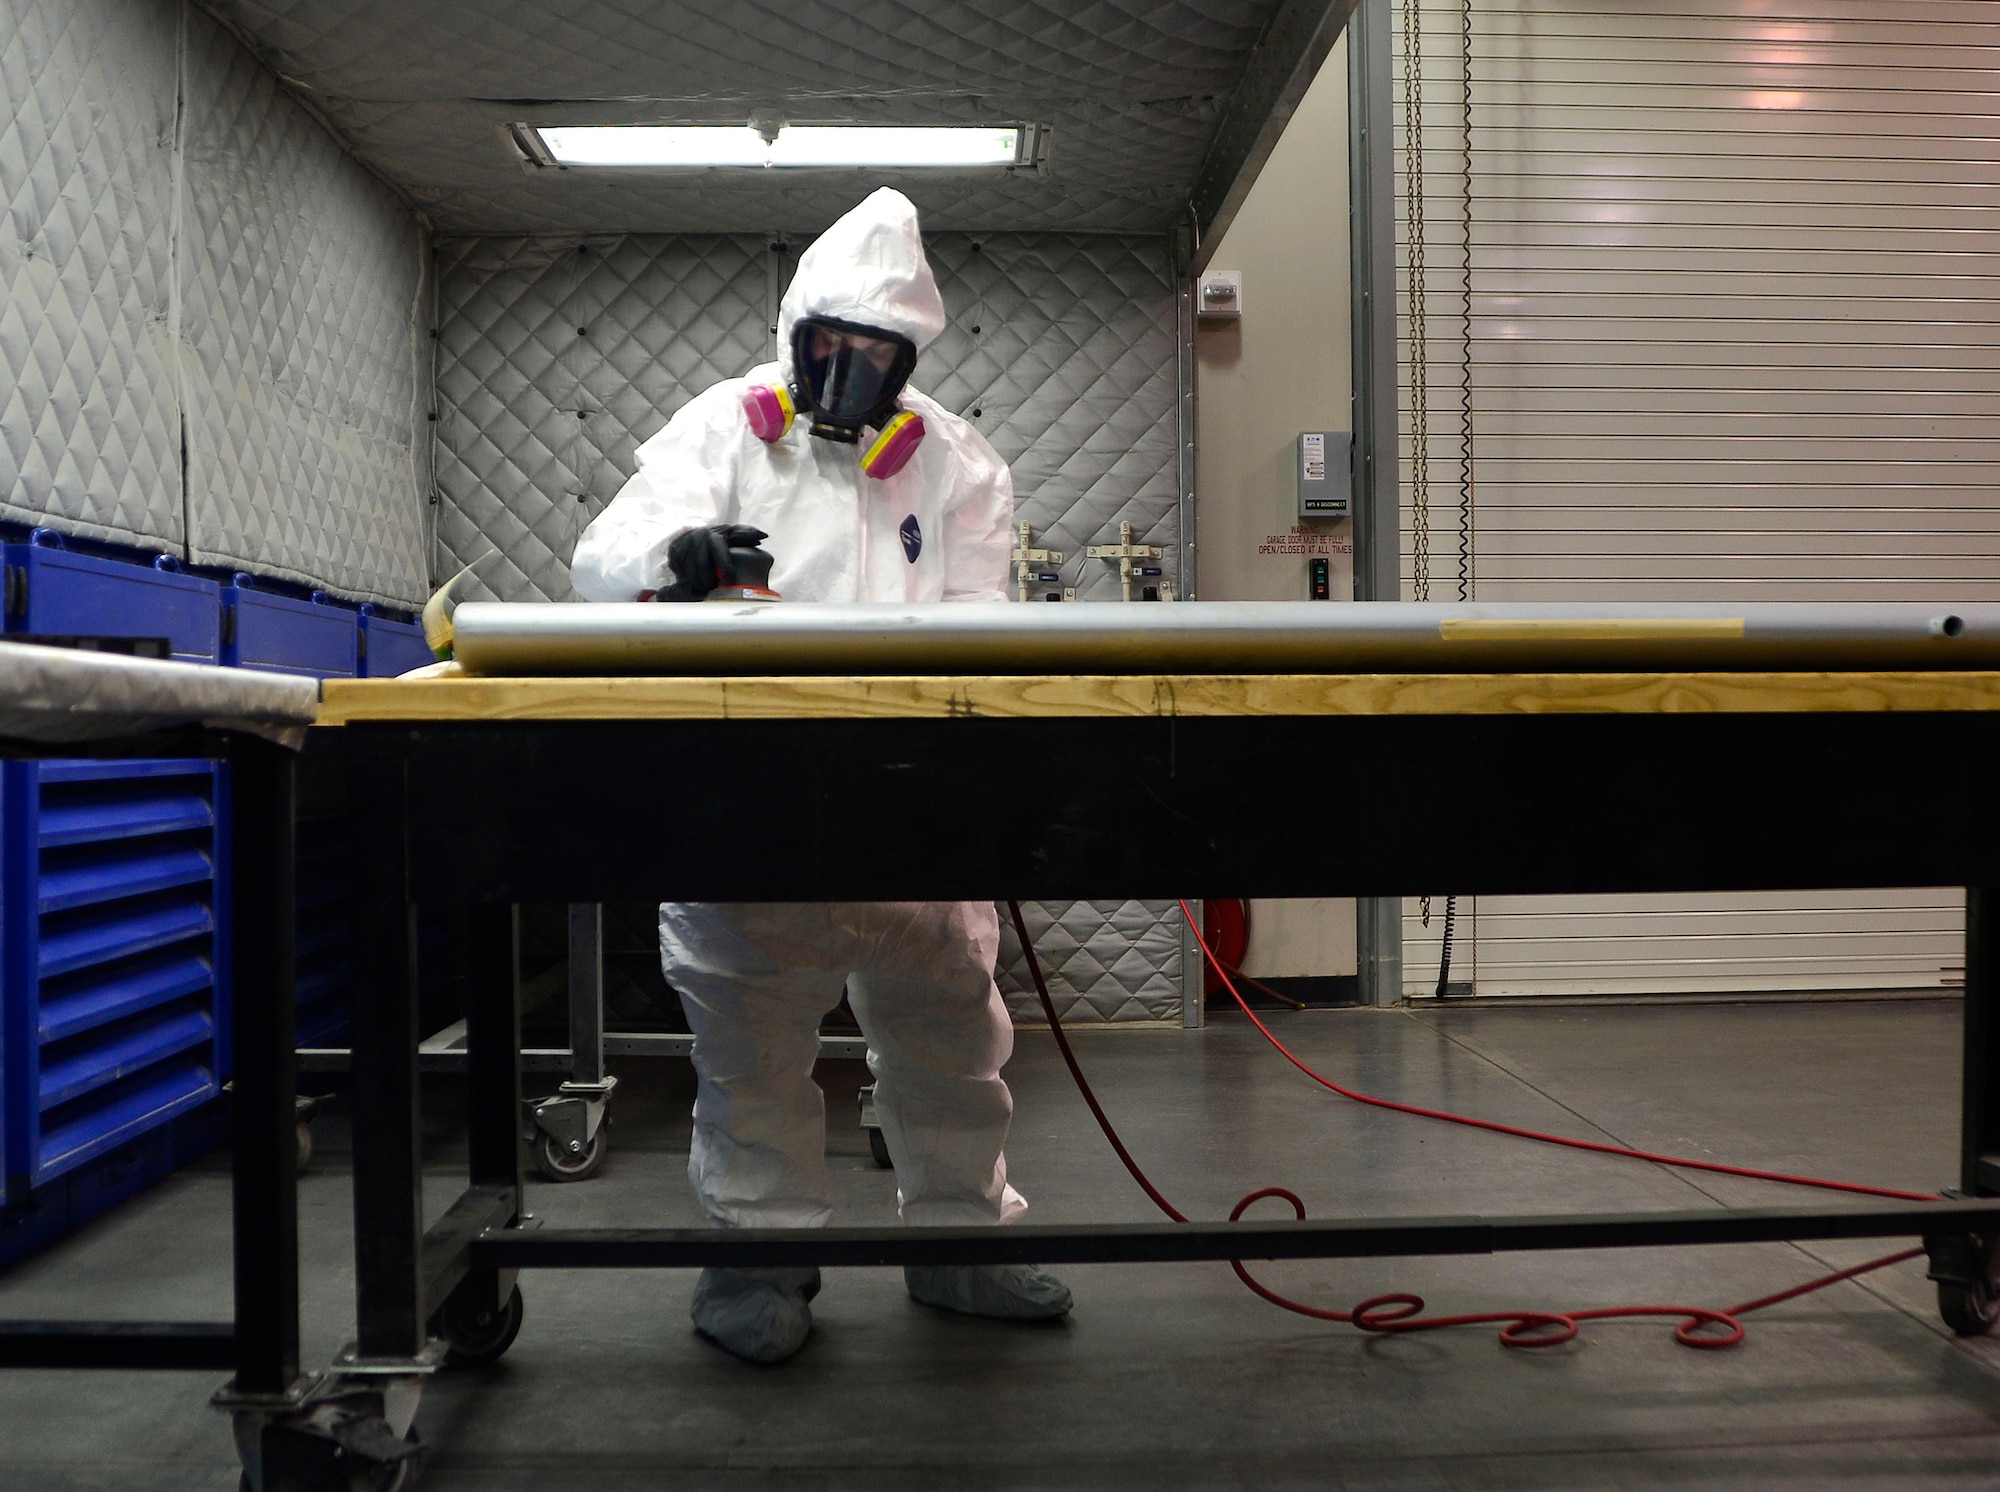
x=846, y=378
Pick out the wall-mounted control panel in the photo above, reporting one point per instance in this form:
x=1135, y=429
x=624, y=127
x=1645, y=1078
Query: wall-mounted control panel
x=1326, y=481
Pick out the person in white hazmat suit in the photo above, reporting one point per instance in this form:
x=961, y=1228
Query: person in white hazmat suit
x=868, y=491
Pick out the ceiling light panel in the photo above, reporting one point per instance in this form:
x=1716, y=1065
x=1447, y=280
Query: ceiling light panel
x=795, y=146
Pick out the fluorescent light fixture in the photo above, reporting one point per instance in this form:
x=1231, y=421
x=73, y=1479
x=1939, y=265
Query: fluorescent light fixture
x=704, y=145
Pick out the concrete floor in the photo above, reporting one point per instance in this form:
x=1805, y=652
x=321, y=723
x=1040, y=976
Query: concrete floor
x=1174, y=1375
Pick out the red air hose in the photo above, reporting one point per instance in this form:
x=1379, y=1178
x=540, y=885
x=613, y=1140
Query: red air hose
x=1402, y=1312
x=1225, y=925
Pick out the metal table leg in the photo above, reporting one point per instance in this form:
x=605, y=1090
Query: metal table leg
x=264, y=1015
x=586, y=993
x=493, y=1051
x=478, y=1306
x=568, y=1129
x=1979, y=1165
x=1966, y=1266
x=388, y=1184
x=290, y=1432
x=369, y=1405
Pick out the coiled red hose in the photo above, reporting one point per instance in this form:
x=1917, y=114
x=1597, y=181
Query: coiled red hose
x=1699, y=1326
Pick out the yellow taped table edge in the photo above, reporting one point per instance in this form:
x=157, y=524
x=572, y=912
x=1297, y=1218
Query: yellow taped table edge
x=463, y=698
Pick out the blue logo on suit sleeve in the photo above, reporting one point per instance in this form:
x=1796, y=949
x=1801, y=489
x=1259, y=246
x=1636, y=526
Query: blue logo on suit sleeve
x=912, y=537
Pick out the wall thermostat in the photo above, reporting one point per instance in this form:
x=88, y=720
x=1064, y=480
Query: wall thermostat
x=1219, y=293
x=1326, y=483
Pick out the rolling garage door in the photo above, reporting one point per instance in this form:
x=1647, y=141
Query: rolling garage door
x=1727, y=329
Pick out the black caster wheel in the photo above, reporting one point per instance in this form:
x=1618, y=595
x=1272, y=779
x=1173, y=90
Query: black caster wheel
x=1969, y=1310
x=480, y=1333
x=879, y=1148
x=356, y=1454
x=558, y=1162
x=397, y=1478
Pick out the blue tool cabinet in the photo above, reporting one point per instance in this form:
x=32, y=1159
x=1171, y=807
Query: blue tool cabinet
x=262, y=629
x=389, y=648
x=52, y=591
x=115, y=986
x=112, y=883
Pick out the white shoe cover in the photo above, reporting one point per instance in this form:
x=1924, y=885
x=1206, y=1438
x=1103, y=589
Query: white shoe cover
x=1004, y=1292
x=760, y=1315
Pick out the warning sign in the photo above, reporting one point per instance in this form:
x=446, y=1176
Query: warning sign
x=1307, y=542
x=1312, y=457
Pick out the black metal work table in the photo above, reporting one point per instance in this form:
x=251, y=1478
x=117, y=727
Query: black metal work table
x=481, y=792
x=71, y=704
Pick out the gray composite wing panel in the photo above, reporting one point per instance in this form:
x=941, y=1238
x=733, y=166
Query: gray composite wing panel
x=738, y=639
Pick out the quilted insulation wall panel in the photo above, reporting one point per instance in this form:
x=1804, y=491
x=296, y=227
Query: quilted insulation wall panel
x=180, y=242
x=556, y=358
x=89, y=417
x=302, y=292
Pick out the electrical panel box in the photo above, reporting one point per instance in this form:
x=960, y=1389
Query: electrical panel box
x=1326, y=480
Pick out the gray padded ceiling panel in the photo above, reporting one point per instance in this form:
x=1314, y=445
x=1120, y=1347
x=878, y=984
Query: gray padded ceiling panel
x=424, y=88
x=302, y=292
x=89, y=418
x=1061, y=349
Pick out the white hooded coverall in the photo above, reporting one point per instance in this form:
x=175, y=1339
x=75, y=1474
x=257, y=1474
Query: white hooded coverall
x=756, y=978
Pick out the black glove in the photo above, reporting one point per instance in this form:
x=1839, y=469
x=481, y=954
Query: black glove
x=699, y=559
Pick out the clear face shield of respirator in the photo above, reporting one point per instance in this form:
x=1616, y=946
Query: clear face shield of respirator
x=848, y=376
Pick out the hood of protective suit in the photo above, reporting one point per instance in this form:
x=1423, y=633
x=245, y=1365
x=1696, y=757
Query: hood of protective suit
x=868, y=268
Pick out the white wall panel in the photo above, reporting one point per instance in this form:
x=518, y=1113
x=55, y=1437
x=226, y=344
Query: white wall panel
x=1711, y=304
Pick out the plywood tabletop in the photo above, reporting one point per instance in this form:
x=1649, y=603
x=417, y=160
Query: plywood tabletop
x=461, y=697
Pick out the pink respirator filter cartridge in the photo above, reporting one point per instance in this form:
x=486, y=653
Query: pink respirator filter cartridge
x=768, y=407
x=894, y=447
